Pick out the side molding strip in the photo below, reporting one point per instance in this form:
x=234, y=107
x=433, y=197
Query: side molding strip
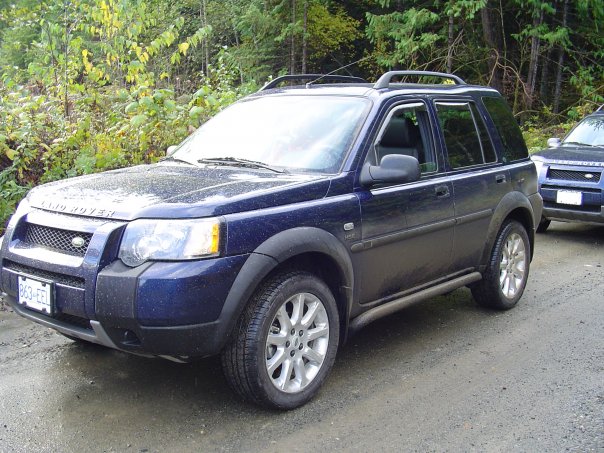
x=401, y=235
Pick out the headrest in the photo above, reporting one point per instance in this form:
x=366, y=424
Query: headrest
x=400, y=133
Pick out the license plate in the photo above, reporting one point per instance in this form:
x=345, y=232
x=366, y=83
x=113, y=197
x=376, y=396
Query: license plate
x=35, y=294
x=569, y=197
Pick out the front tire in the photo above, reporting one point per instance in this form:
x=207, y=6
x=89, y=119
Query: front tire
x=285, y=342
x=506, y=275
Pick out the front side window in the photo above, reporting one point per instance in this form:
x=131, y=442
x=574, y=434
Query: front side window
x=466, y=138
x=406, y=131
x=293, y=133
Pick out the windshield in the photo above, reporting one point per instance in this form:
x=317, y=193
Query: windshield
x=588, y=132
x=297, y=133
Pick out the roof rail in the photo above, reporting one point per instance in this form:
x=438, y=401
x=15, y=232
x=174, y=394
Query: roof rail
x=384, y=81
x=311, y=78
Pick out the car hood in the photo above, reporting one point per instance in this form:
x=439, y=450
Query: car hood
x=173, y=190
x=572, y=155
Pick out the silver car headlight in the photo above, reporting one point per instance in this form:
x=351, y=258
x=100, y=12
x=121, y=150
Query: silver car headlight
x=538, y=165
x=169, y=240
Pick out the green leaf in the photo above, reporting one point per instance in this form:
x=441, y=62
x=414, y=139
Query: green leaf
x=146, y=102
x=138, y=120
x=196, y=112
x=11, y=153
x=132, y=107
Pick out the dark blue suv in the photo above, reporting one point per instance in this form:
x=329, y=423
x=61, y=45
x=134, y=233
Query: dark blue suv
x=570, y=174
x=290, y=220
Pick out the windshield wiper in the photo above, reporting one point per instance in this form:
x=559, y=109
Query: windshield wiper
x=177, y=159
x=576, y=143
x=238, y=162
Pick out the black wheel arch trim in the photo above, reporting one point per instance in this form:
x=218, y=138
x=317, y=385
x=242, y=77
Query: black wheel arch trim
x=269, y=255
x=512, y=201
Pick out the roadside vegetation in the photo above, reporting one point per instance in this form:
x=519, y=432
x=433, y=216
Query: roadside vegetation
x=91, y=85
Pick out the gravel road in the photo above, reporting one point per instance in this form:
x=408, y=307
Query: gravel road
x=442, y=375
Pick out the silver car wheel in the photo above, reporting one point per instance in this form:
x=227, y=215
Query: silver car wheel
x=513, y=266
x=297, y=342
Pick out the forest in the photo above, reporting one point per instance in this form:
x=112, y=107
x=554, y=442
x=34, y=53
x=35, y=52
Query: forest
x=91, y=85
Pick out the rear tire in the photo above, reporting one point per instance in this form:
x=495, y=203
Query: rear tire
x=285, y=342
x=506, y=275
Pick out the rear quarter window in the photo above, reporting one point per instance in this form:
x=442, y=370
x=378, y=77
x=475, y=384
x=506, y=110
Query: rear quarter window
x=466, y=138
x=512, y=141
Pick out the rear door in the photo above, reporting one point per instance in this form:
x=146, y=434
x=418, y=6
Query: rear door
x=479, y=180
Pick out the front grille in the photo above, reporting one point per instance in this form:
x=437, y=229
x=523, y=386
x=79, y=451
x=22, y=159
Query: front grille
x=62, y=279
x=582, y=189
x=57, y=239
x=573, y=175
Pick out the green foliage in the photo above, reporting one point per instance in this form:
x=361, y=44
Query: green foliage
x=12, y=193
x=329, y=31
x=402, y=36
x=90, y=85
x=93, y=99
x=536, y=135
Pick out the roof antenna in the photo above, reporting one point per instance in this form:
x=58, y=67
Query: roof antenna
x=310, y=84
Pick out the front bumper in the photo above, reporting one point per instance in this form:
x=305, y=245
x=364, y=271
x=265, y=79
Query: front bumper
x=178, y=343
x=571, y=215
x=170, y=309
x=139, y=313
x=589, y=181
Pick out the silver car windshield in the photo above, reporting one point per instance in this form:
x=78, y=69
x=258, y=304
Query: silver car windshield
x=292, y=133
x=588, y=132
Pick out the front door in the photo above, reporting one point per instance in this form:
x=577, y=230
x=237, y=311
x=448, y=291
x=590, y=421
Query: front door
x=407, y=229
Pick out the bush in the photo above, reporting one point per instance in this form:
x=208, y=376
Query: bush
x=105, y=129
x=536, y=136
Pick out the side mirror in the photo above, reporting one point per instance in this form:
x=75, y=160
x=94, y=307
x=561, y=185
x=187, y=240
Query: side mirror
x=553, y=142
x=171, y=150
x=394, y=168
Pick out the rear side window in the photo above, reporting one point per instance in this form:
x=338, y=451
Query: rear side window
x=513, y=144
x=465, y=135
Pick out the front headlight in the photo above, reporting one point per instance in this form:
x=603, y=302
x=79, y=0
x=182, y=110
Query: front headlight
x=169, y=240
x=1, y=241
x=538, y=166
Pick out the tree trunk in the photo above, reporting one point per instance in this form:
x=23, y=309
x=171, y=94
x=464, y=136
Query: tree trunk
x=304, y=40
x=292, y=55
x=451, y=39
x=492, y=34
x=545, y=69
x=534, y=61
x=558, y=89
x=66, y=109
x=206, y=41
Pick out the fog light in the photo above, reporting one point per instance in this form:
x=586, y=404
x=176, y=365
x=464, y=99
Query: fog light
x=130, y=339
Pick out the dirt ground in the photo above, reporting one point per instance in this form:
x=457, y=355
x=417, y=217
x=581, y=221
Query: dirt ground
x=442, y=375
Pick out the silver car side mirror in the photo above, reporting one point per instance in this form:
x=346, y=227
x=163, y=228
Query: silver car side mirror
x=171, y=150
x=553, y=142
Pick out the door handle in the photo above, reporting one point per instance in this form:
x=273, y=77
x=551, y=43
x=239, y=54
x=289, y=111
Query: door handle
x=442, y=191
x=500, y=179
